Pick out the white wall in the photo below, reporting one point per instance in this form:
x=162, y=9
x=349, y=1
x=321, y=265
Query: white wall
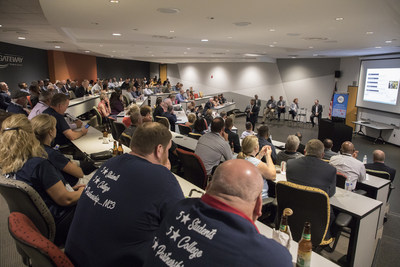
x=350, y=68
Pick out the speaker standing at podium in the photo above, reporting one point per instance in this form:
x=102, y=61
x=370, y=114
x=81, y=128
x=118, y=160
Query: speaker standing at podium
x=316, y=111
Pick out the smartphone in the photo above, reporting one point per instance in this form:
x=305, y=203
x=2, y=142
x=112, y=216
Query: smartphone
x=87, y=126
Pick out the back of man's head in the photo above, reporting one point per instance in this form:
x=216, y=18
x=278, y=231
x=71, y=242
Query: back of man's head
x=378, y=156
x=263, y=131
x=236, y=178
x=145, y=110
x=249, y=126
x=292, y=143
x=315, y=148
x=136, y=118
x=347, y=148
x=170, y=108
x=148, y=136
x=217, y=125
x=46, y=96
x=222, y=114
x=228, y=123
x=328, y=144
x=58, y=99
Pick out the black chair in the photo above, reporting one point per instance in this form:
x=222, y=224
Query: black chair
x=193, y=168
x=183, y=129
x=195, y=135
x=384, y=175
x=119, y=129
x=341, y=182
x=114, y=131
x=309, y=204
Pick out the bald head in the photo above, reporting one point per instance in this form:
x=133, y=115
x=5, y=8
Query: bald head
x=347, y=148
x=236, y=179
x=379, y=156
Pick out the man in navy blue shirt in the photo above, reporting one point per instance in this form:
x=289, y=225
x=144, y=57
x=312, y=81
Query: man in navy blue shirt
x=219, y=229
x=169, y=114
x=58, y=106
x=124, y=203
x=18, y=103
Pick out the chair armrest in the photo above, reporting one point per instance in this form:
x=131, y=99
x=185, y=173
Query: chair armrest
x=343, y=219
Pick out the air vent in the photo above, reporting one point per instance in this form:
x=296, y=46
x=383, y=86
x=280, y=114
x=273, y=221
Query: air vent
x=218, y=53
x=17, y=30
x=242, y=23
x=163, y=37
x=315, y=38
x=54, y=42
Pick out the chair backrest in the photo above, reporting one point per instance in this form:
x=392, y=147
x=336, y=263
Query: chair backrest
x=71, y=94
x=29, y=100
x=309, y=204
x=193, y=168
x=183, y=129
x=119, y=129
x=23, y=198
x=165, y=119
x=125, y=100
x=40, y=250
x=113, y=131
x=195, y=135
x=93, y=121
x=341, y=180
x=381, y=174
x=98, y=116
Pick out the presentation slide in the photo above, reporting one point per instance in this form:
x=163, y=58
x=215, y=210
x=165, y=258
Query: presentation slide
x=382, y=85
x=379, y=84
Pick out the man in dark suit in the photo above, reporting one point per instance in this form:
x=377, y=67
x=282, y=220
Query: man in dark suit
x=379, y=164
x=252, y=113
x=316, y=111
x=233, y=138
x=311, y=170
x=208, y=105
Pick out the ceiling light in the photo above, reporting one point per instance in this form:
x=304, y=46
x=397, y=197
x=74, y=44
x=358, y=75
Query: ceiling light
x=227, y=50
x=168, y=10
x=113, y=51
x=271, y=30
x=339, y=19
x=21, y=38
x=1, y=26
x=152, y=55
x=315, y=55
x=57, y=46
x=171, y=31
x=204, y=40
x=369, y=33
x=116, y=34
x=274, y=42
x=378, y=47
x=311, y=47
x=114, y=1
x=188, y=48
x=87, y=51
x=388, y=41
x=229, y=37
x=185, y=53
x=292, y=57
x=271, y=45
x=251, y=55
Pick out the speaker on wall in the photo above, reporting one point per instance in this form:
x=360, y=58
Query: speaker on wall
x=338, y=73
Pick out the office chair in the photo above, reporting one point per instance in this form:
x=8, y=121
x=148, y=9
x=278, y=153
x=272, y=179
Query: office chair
x=119, y=129
x=384, y=175
x=193, y=168
x=183, y=129
x=40, y=250
x=195, y=135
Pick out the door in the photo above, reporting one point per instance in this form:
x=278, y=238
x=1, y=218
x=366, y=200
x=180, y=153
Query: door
x=163, y=72
x=351, y=114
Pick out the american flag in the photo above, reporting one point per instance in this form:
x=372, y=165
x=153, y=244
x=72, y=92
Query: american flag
x=331, y=103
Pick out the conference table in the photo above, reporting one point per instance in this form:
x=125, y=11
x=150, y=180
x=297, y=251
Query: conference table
x=197, y=101
x=228, y=106
x=153, y=97
x=374, y=125
x=190, y=190
x=81, y=105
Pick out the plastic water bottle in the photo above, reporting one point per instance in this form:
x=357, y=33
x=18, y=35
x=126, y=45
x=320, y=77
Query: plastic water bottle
x=365, y=159
x=348, y=185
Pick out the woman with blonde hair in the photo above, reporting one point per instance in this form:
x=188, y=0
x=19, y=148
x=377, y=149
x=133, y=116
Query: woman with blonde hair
x=104, y=106
x=23, y=158
x=133, y=108
x=43, y=126
x=250, y=148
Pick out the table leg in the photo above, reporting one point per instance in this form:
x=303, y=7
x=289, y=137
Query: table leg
x=380, y=137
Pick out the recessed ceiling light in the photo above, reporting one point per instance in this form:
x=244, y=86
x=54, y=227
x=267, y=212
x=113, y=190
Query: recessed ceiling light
x=339, y=19
x=388, y=41
x=229, y=37
x=57, y=46
x=271, y=30
x=87, y=51
x=116, y=34
x=274, y=42
x=113, y=51
x=292, y=57
x=112, y=56
x=204, y=40
x=1, y=26
x=378, y=47
x=21, y=38
x=185, y=53
x=152, y=55
x=168, y=10
x=171, y=31
x=311, y=47
x=101, y=45
x=188, y=48
x=227, y=50
x=369, y=33
x=242, y=23
x=114, y=1
x=251, y=55
x=271, y=45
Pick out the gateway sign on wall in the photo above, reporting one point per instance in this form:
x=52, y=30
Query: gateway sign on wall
x=7, y=60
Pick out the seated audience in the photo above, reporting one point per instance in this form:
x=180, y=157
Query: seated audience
x=58, y=106
x=18, y=103
x=251, y=152
x=23, y=158
x=104, y=106
x=223, y=115
x=145, y=111
x=170, y=100
x=44, y=102
x=136, y=121
x=34, y=92
x=128, y=94
x=292, y=143
x=169, y=114
x=191, y=119
x=147, y=91
x=114, y=224
x=127, y=120
x=249, y=130
x=200, y=126
x=172, y=153
x=44, y=127
x=328, y=153
x=301, y=147
x=159, y=110
x=233, y=138
x=209, y=116
x=228, y=210
x=5, y=96
x=208, y=105
x=97, y=88
x=214, y=145
x=264, y=140
x=294, y=108
x=180, y=97
x=379, y=164
x=83, y=90
x=116, y=103
x=346, y=162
